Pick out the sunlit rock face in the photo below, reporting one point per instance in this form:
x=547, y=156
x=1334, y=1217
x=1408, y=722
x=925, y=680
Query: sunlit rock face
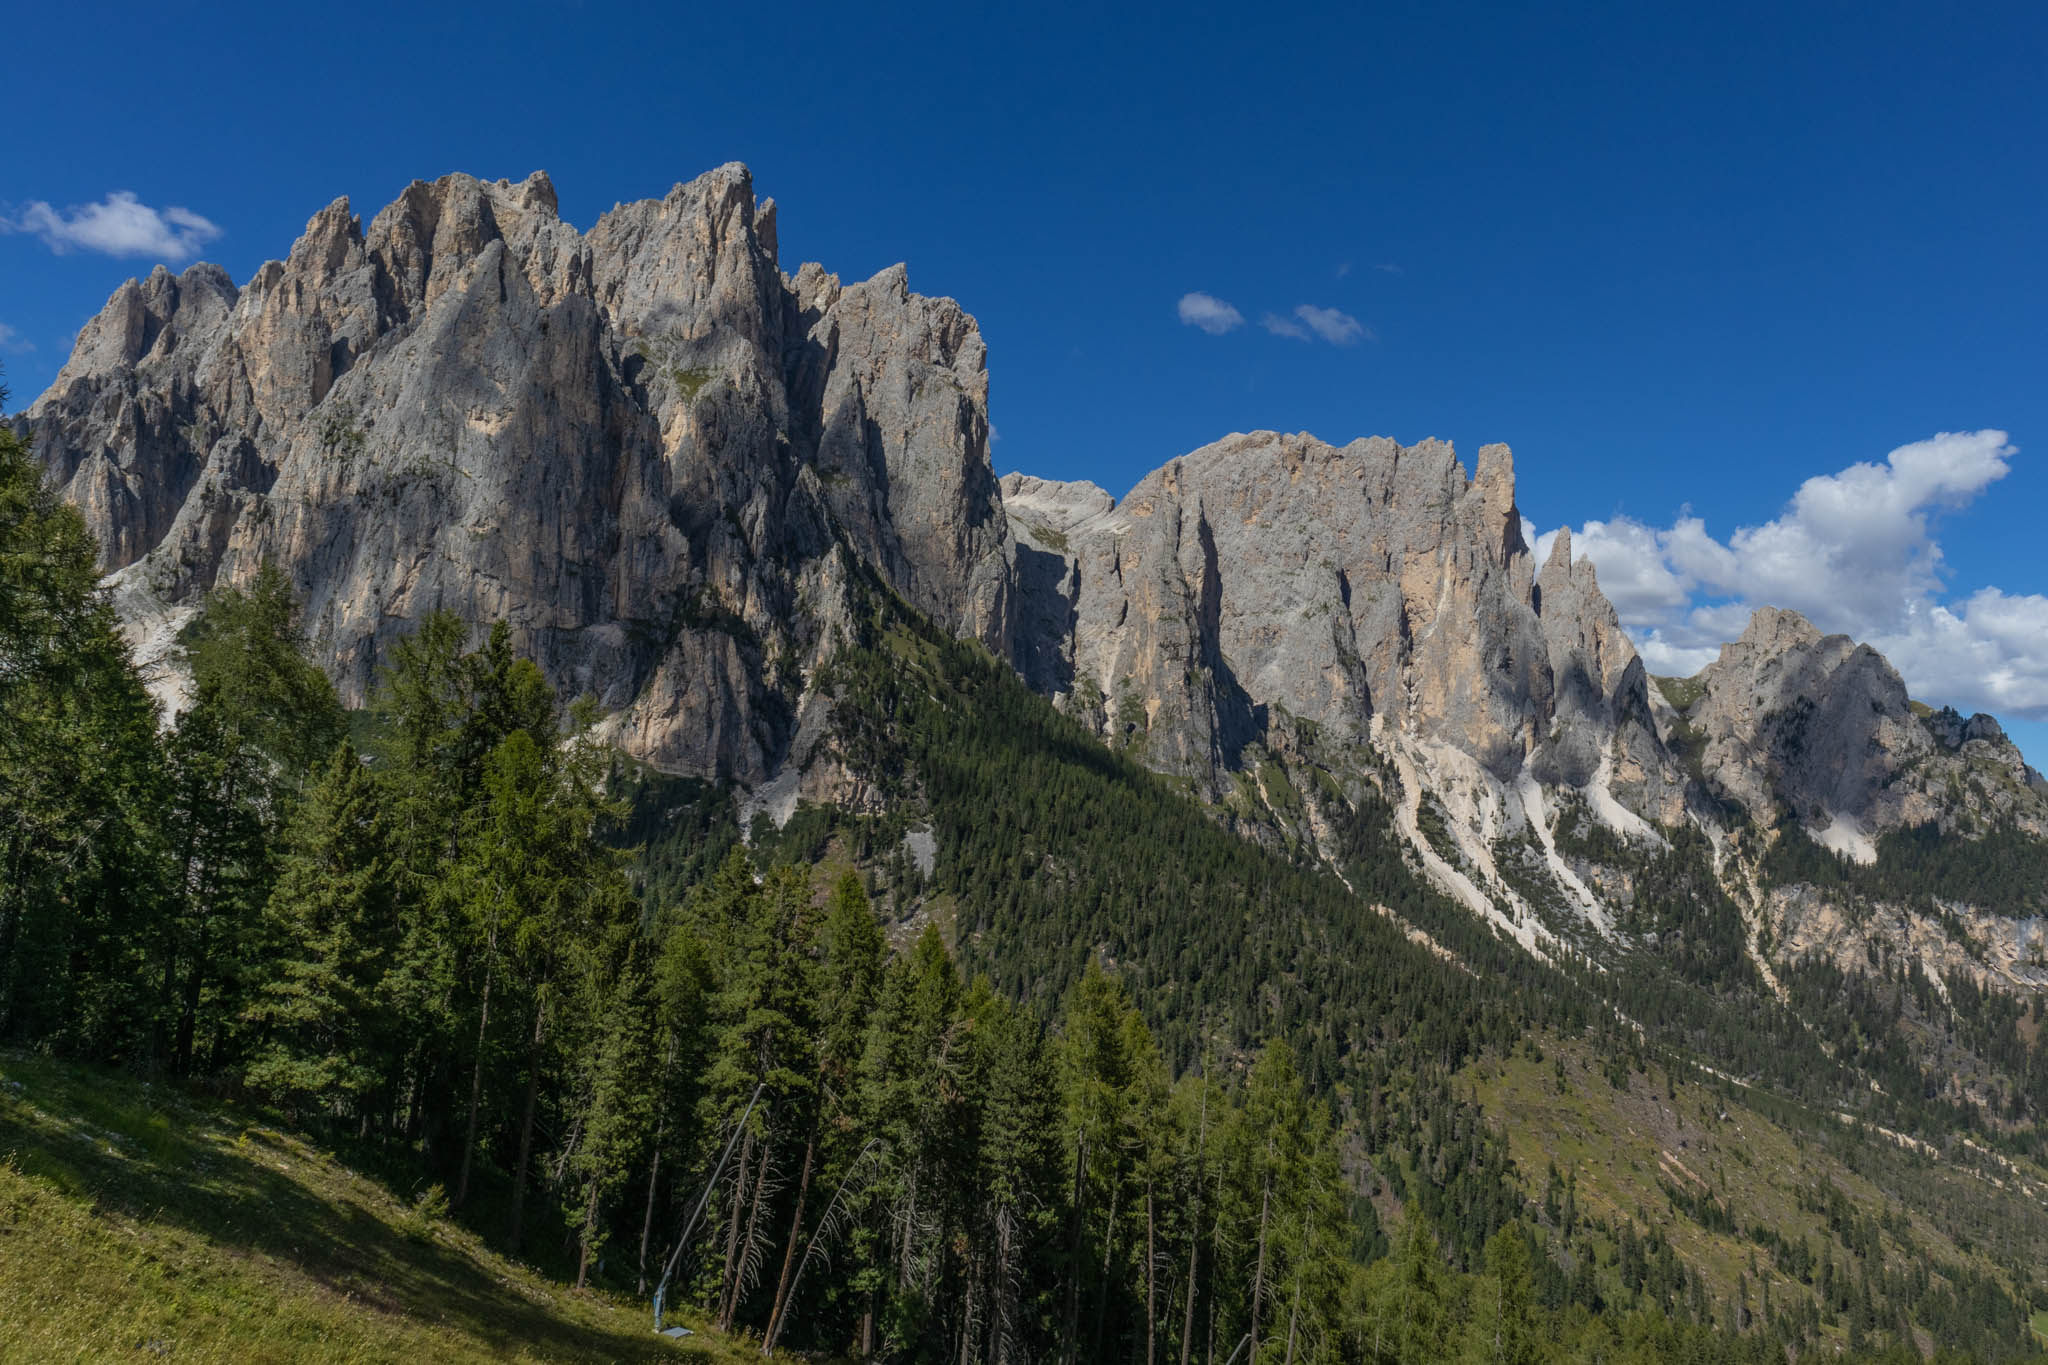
x=638, y=445
x=1270, y=575
x=664, y=462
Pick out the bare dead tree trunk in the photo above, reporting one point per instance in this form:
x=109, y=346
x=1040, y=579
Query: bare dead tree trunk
x=1215, y=1262
x=967, y=1315
x=647, y=1222
x=751, y=1241
x=1000, y=1320
x=903, y=1257
x=476, y=1090
x=1151, y=1268
x=1102, y=1286
x=1294, y=1313
x=1187, y=1328
x=1075, y=1221
x=732, y=1230
x=568, y=1152
x=1259, y=1274
x=540, y=1015
x=796, y=1224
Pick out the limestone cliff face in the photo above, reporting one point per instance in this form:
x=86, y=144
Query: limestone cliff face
x=1270, y=575
x=659, y=458
x=1793, y=723
x=638, y=445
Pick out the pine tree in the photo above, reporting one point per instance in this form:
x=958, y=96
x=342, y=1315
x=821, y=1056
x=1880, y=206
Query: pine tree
x=681, y=985
x=323, y=1025
x=847, y=976
x=617, y=1071
x=246, y=651
x=1407, y=1312
x=441, y=713
x=760, y=939
x=910, y=1072
x=1502, y=1329
x=261, y=719
x=533, y=883
x=1016, y=1164
x=81, y=785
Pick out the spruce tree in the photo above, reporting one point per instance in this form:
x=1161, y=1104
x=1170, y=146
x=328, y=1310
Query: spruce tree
x=323, y=1024
x=261, y=718
x=81, y=786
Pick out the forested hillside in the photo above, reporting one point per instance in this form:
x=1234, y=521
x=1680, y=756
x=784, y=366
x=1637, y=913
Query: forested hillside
x=1130, y=1087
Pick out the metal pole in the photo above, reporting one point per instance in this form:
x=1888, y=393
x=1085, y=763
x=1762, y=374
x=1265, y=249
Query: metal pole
x=691, y=1226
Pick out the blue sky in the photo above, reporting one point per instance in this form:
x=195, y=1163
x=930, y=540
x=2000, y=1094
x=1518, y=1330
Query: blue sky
x=1683, y=259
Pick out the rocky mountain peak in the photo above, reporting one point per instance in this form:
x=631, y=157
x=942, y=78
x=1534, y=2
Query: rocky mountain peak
x=638, y=445
x=1817, y=731
x=1774, y=630
x=1269, y=575
x=1494, y=477
x=1559, y=560
x=663, y=461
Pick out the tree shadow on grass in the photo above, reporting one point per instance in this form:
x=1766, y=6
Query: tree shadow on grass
x=164, y=1161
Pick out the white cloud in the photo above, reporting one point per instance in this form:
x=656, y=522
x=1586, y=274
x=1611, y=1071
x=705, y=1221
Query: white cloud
x=1337, y=328
x=1855, y=553
x=1989, y=651
x=11, y=340
x=1668, y=660
x=119, y=225
x=1283, y=327
x=1310, y=322
x=1306, y=323
x=1633, y=570
x=1209, y=313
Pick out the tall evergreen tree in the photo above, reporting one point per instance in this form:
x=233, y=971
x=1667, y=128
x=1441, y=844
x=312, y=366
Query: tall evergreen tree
x=616, y=1070
x=847, y=976
x=910, y=1097
x=261, y=718
x=1016, y=1167
x=81, y=785
x=1502, y=1329
x=323, y=1027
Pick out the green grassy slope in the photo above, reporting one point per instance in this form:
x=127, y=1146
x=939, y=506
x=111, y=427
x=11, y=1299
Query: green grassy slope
x=1733, y=1179
x=136, y=1222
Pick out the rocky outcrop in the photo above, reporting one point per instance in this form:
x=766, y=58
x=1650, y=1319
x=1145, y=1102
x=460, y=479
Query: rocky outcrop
x=1269, y=575
x=638, y=445
x=137, y=426
x=1818, y=729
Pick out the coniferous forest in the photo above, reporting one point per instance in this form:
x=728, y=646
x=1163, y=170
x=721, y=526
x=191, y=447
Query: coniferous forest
x=1154, y=1092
